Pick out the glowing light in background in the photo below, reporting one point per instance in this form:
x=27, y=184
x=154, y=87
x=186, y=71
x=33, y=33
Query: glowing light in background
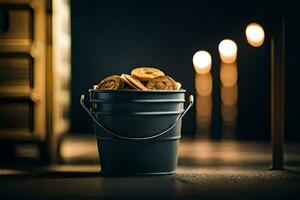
x=255, y=34
x=204, y=106
x=229, y=114
x=203, y=84
x=228, y=74
x=229, y=98
x=229, y=117
x=229, y=95
x=203, y=115
x=202, y=62
x=228, y=51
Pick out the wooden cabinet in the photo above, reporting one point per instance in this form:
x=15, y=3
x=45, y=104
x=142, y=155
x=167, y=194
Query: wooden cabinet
x=17, y=24
x=35, y=72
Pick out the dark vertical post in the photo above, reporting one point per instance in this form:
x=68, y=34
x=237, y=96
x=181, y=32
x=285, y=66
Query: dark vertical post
x=277, y=93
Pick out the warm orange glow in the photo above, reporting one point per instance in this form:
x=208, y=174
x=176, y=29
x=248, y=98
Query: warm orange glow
x=203, y=115
x=204, y=107
x=202, y=62
x=228, y=74
x=229, y=113
x=229, y=95
x=203, y=84
x=255, y=34
x=228, y=51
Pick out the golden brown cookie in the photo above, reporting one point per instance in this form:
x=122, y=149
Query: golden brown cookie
x=162, y=83
x=146, y=73
x=133, y=82
x=112, y=82
x=178, y=86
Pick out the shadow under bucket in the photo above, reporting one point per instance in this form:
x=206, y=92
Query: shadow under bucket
x=137, y=131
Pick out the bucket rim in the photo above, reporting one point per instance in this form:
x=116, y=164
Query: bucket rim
x=137, y=91
x=176, y=112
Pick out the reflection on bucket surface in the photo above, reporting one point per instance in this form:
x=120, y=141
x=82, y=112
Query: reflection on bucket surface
x=203, y=85
x=229, y=98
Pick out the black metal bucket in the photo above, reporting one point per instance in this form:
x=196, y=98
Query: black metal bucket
x=137, y=131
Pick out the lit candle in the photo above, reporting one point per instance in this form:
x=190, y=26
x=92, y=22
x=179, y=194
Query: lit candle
x=255, y=34
x=228, y=51
x=202, y=62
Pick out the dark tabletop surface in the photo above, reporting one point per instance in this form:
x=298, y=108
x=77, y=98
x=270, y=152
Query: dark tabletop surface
x=206, y=170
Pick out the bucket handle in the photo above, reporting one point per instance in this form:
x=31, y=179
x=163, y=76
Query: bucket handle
x=191, y=101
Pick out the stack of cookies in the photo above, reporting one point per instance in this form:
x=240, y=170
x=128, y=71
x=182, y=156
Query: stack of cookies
x=142, y=78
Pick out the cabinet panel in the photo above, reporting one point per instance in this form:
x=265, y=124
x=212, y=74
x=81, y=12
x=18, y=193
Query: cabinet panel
x=17, y=71
x=17, y=22
x=16, y=114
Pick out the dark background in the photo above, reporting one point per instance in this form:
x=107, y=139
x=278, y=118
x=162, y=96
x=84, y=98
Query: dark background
x=112, y=37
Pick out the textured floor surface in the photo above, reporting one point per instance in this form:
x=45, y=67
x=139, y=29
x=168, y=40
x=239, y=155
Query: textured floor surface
x=206, y=170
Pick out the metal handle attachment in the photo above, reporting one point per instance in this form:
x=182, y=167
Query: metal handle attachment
x=191, y=100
